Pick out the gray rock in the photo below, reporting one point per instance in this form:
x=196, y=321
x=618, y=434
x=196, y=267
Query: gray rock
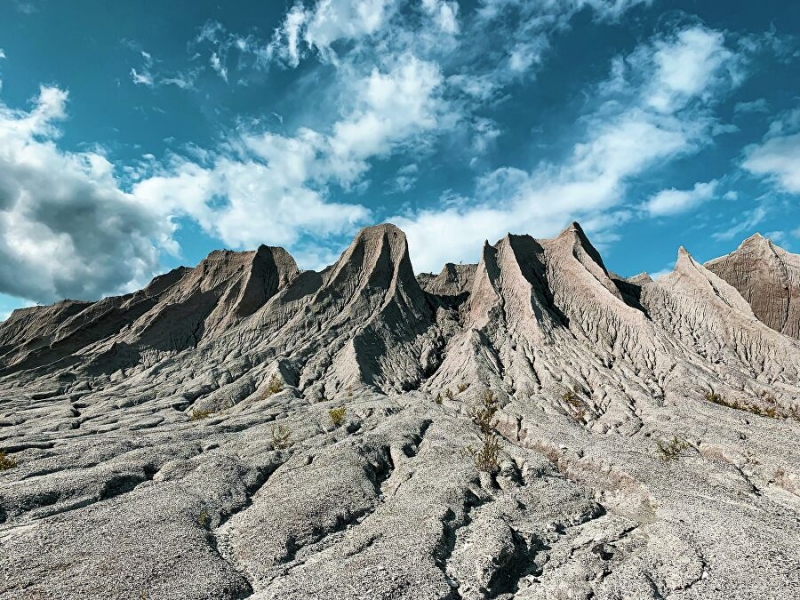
x=178, y=442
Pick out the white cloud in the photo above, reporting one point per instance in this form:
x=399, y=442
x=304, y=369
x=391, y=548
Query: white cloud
x=672, y=202
x=742, y=225
x=755, y=106
x=219, y=68
x=444, y=14
x=2, y=54
x=147, y=76
x=327, y=22
x=662, y=272
x=143, y=78
x=268, y=188
x=648, y=115
x=66, y=228
x=777, y=157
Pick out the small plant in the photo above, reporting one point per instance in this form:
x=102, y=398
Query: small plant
x=350, y=391
x=449, y=394
x=274, y=386
x=438, y=399
x=6, y=462
x=672, y=449
x=487, y=456
x=483, y=417
x=280, y=437
x=204, y=519
x=337, y=415
x=462, y=387
x=200, y=414
x=714, y=397
x=575, y=403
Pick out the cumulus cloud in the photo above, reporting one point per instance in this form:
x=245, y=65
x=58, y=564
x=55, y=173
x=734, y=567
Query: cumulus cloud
x=317, y=28
x=647, y=115
x=777, y=157
x=672, y=202
x=268, y=188
x=66, y=228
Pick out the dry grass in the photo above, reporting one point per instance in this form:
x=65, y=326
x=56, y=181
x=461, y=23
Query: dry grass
x=337, y=415
x=771, y=410
x=672, y=449
x=6, y=462
x=200, y=414
x=280, y=437
x=576, y=404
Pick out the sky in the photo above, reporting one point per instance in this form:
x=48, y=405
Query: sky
x=138, y=136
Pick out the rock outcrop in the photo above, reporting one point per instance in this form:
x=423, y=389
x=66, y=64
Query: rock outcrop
x=768, y=278
x=247, y=430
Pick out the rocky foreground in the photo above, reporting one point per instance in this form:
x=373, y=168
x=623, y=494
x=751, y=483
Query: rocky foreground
x=247, y=430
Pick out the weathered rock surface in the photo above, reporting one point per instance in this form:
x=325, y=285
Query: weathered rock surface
x=648, y=431
x=767, y=277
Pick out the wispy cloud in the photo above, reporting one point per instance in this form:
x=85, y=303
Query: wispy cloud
x=673, y=202
x=648, y=113
x=777, y=157
x=149, y=75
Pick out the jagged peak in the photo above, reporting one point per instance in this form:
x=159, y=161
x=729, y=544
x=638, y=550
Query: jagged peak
x=377, y=257
x=756, y=238
x=575, y=235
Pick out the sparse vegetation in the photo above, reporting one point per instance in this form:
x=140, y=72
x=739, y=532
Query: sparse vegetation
x=462, y=387
x=672, y=449
x=337, y=415
x=200, y=414
x=350, y=391
x=438, y=399
x=280, y=437
x=204, y=519
x=576, y=404
x=6, y=462
x=771, y=410
x=487, y=456
x=275, y=385
x=449, y=393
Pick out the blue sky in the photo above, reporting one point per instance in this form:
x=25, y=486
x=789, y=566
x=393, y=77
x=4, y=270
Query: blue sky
x=137, y=136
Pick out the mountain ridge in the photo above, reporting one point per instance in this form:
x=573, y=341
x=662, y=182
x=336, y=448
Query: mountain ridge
x=646, y=431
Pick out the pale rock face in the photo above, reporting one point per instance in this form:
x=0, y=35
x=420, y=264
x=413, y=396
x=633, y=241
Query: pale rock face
x=768, y=278
x=647, y=430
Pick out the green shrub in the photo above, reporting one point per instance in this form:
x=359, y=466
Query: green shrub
x=462, y=387
x=199, y=414
x=6, y=462
x=274, y=386
x=280, y=437
x=204, y=519
x=438, y=399
x=449, y=393
x=483, y=417
x=337, y=415
x=672, y=449
x=487, y=456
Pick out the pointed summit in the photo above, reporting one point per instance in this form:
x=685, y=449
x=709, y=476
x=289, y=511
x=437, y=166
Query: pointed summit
x=768, y=278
